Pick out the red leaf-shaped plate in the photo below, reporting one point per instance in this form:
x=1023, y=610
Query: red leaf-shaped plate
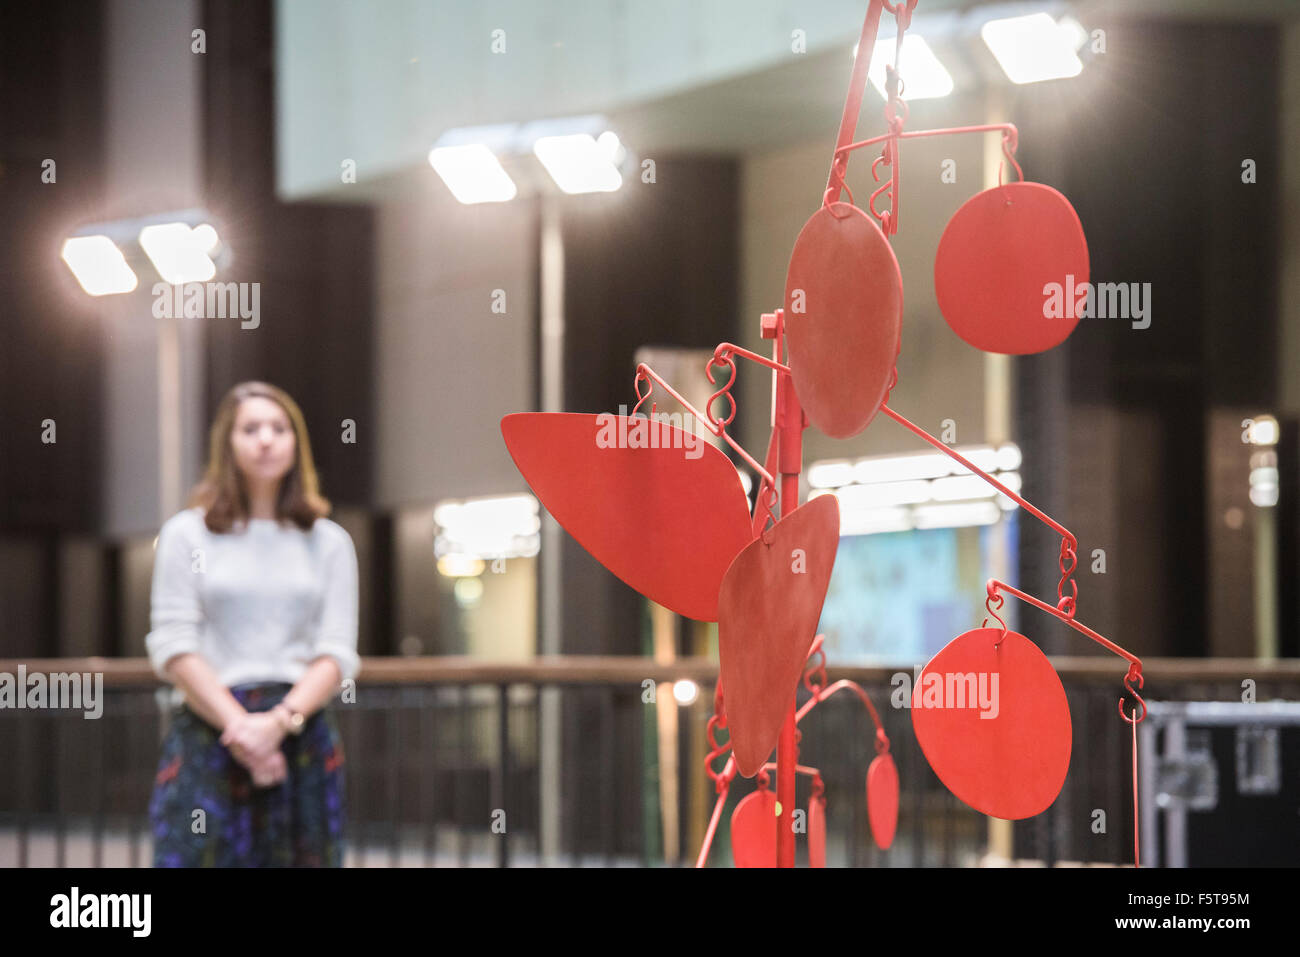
x=817, y=832
x=667, y=518
x=882, y=799
x=768, y=609
x=995, y=258
x=994, y=723
x=843, y=318
x=753, y=830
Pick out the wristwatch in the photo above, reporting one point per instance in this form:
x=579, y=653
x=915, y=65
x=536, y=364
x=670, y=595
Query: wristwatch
x=295, y=721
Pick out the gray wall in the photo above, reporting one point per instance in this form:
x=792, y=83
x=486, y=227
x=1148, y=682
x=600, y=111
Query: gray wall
x=447, y=368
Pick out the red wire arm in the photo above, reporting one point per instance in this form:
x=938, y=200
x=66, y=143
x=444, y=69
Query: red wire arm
x=644, y=372
x=1066, y=614
x=723, y=779
x=951, y=453
x=1010, y=138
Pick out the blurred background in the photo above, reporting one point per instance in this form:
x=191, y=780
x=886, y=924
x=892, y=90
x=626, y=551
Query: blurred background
x=412, y=263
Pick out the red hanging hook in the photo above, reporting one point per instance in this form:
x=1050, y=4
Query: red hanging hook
x=704, y=418
x=815, y=688
x=988, y=604
x=1009, y=141
x=642, y=377
x=721, y=779
x=1134, y=674
x=1066, y=603
x=724, y=359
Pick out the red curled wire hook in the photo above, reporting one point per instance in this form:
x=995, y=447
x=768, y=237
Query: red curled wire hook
x=730, y=363
x=885, y=187
x=1010, y=139
x=818, y=786
x=1134, y=674
x=893, y=379
x=882, y=741
x=992, y=589
x=817, y=671
x=1066, y=604
x=903, y=14
x=650, y=386
x=768, y=497
x=839, y=166
x=721, y=779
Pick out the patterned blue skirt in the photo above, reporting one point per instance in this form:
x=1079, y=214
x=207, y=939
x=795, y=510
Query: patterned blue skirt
x=206, y=812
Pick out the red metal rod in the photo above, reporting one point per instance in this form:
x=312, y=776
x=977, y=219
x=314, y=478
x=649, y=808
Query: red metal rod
x=643, y=371
x=1009, y=128
x=1137, y=852
x=840, y=685
x=1134, y=674
x=728, y=349
x=729, y=769
x=1133, y=660
x=853, y=99
x=1041, y=516
x=810, y=772
x=790, y=425
x=787, y=752
x=713, y=826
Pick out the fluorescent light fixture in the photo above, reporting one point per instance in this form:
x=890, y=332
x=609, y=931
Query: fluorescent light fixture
x=831, y=474
x=460, y=566
x=1263, y=430
x=884, y=493
x=99, y=265
x=1032, y=48
x=499, y=526
x=924, y=77
x=579, y=163
x=981, y=456
x=205, y=234
x=895, y=468
x=956, y=488
x=472, y=173
x=580, y=153
x=179, y=253
x=892, y=493
x=1263, y=487
x=873, y=521
x=1008, y=459
x=955, y=516
x=1074, y=30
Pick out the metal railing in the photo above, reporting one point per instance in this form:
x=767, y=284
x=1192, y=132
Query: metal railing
x=443, y=766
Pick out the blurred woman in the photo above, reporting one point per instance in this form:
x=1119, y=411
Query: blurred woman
x=254, y=617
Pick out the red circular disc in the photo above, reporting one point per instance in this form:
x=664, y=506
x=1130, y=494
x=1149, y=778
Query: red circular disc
x=882, y=799
x=997, y=261
x=994, y=724
x=843, y=318
x=753, y=830
x=817, y=832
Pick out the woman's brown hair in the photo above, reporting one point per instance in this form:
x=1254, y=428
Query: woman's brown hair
x=222, y=491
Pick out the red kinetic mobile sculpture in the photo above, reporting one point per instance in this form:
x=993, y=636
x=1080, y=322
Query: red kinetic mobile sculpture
x=675, y=525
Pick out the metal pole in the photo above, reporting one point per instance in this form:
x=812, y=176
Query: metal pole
x=551, y=317
x=997, y=429
x=169, y=418
x=1266, y=632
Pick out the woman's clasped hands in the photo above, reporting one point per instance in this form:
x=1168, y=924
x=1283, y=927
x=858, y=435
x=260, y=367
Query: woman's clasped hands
x=254, y=740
